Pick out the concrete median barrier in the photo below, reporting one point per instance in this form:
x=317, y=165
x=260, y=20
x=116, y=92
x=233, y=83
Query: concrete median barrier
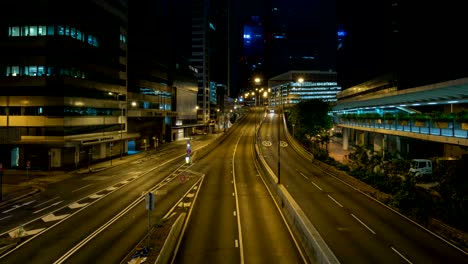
x=316, y=249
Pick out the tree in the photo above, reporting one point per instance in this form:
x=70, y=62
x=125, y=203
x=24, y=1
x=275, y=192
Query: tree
x=310, y=118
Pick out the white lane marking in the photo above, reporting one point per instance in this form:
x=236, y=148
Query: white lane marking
x=16, y=206
x=401, y=255
x=239, y=229
x=233, y=194
x=40, y=210
x=318, y=187
x=190, y=195
x=304, y=175
x=333, y=199
x=82, y=187
x=45, y=202
x=3, y=218
x=20, y=232
x=236, y=242
x=234, y=213
x=77, y=205
x=362, y=223
x=111, y=188
x=53, y=217
x=95, y=196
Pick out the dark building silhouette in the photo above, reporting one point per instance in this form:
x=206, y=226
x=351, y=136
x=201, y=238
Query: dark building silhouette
x=408, y=43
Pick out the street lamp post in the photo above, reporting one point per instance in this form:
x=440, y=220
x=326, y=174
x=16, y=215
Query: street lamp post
x=280, y=107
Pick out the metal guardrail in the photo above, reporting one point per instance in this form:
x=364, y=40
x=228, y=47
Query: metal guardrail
x=454, y=129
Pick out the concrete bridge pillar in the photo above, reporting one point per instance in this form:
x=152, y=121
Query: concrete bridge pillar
x=378, y=143
x=345, y=138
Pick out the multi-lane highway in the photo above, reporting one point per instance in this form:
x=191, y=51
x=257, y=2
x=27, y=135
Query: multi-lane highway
x=235, y=220
x=357, y=228
x=98, y=217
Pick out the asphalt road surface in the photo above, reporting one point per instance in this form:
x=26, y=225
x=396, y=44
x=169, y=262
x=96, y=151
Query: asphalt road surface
x=235, y=220
x=357, y=228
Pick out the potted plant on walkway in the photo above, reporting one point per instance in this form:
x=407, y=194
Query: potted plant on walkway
x=462, y=118
x=389, y=118
x=442, y=119
x=403, y=118
x=420, y=119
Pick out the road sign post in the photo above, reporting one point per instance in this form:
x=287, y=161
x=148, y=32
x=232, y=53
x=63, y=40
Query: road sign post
x=188, y=151
x=149, y=198
x=28, y=166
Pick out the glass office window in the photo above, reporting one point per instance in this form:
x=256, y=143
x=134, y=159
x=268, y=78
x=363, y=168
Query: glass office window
x=40, y=71
x=32, y=70
x=24, y=31
x=33, y=31
x=15, y=31
x=50, y=30
x=41, y=30
x=60, y=30
x=15, y=70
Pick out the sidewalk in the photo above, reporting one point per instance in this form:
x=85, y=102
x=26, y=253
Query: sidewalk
x=336, y=151
x=19, y=184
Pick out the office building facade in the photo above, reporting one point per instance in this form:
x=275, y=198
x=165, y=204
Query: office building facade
x=63, y=83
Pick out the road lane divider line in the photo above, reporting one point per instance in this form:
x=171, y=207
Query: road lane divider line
x=333, y=199
x=362, y=223
x=3, y=218
x=239, y=226
x=318, y=187
x=16, y=206
x=50, y=200
x=47, y=207
x=304, y=175
x=82, y=187
x=236, y=243
x=401, y=255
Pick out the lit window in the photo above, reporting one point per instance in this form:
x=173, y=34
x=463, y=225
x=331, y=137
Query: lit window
x=32, y=70
x=67, y=30
x=40, y=71
x=50, y=30
x=15, y=31
x=24, y=31
x=73, y=32
x=60, y=30
x=78, y=35
x=33, y=31
x=41, y=30
x=15, y=70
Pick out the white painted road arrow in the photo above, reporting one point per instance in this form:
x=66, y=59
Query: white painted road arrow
x=77, y=205
x=20, y=232
x=52, y=217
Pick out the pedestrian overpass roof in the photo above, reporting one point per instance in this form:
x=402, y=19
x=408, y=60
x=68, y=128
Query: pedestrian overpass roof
x=450, y=92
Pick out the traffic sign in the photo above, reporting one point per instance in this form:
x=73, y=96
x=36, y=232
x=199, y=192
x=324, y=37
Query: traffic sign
x=149, y=201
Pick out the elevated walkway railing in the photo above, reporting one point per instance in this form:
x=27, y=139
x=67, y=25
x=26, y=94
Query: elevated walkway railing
x=429, y=127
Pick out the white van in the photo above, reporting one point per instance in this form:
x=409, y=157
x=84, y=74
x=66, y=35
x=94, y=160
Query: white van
x=420, y=167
